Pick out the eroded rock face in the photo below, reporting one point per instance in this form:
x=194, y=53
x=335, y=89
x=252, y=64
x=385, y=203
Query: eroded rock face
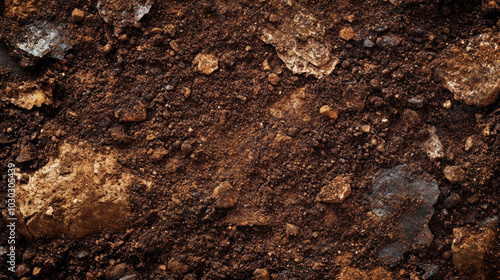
x=76, y=194
x=471, y=71
x=404, y=203
x=298, y=44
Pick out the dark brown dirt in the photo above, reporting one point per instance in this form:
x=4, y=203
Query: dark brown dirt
x=266, y=138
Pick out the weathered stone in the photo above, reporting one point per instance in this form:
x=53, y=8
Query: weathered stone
x=78, y=15
x=329, y=112
x=225, y=196
x=261, y=274
x=432, y=145
x=388, y=40
x=469, y=249
x=424, y=238
x=347, y=33
x=298, y=44
x=75, y=194
x=29, y=94
x=121, y=13
x=335, y=192
x=206, y=63
x=42, y=38
x=403, y=202
x=471, y=71
x=134, y=112
x=291, y=230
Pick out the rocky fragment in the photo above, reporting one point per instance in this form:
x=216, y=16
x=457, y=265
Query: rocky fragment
x=424, y=238
x=335, y=192
x=26, y=153
x=43, y=38
x=225, y=196
x=122, y=13
x=471, y=71
x=389, y=40
x=298, y=43
x=351, y=273
x=469, y=250
x=78, y=193
x=135, y=113
x=29, y=94
x=261, y=274
x=403, y=201
x=347, y=33
x=206, y=63
x=78, y=15
x=291, y=230
x=432, y=145
x=329, y=112
x=454, y=174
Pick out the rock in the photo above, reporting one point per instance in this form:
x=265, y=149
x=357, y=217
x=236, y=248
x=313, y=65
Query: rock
x=86, y=192
x=118, y=271
x=27, y=153
x=186, y=147
x=118, y=134
x=206, y=63
x=454, y=174
x=157, y=30
x=29, y=94
x=447, y=104
x=291, y=230
x=432, y=145
x=177, y=267
x=273, y=79
x=469, y=143
x=424, y=238
x=365, y=128
x=411, y=117
x=404, y=203
x=416, y=102
x=261, y=274
x=78, y=15
x=22, y=270
x=347, y=33
x=329, y=112
x=471, y=71
x=469, y=250
x=451, y=200
x=225, y=196
x=42, y=38
x=368, y=43
x=122, y=13
x=36, y=271
x=389, y=40
x=335, y=192
x=430, y=270
x=298, y=44
x=136, y=112
x=158, y=154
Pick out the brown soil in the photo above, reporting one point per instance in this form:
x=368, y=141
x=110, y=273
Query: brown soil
x=265, y=136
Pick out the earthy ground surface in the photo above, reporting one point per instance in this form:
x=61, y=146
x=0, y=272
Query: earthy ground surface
x=191, y=144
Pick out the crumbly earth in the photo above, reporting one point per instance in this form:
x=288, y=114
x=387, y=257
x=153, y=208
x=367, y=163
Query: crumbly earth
x=252, y=125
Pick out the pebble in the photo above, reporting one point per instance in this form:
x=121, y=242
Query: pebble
x=291, y=230
x=261, y=274
x=447, y=104
x=411, y=117
x=336, y=191
x=107, y=48
x=469, y=143
x=186, y=147
x=118, y=271
x=347, y=33
x=225, y=196
x=365, y=128
x=78, y=15
x=157, y=30
x=273, y=79
x=26, y=153
x=206, y=63
x=451, y=200
x=329, y=112
x=388, y=40
x=454, y=174
x=36, y=271
x=368, y=43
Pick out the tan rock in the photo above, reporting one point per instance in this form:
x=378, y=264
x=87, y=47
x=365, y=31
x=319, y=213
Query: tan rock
x=469, y=250
x=454, y=174
x=225, y=196
x=261, y=274
x=273, y=79
x=206, y=63
x=433, y=145
x=75, y=194
x=470, y=71
x=78, y=15
x=329, y=112
x=347, y=33
x=335, y=192
x=29, y=94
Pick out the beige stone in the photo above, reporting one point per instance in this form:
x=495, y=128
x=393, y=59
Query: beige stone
x=347, y=33
x=225, y=196
x=206, y=63
x=29, y=94
x=329, y=112
x=335, y=192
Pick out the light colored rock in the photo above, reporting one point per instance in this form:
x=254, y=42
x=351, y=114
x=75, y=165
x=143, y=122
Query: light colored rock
x=335, y=192
x=78, y=15
x=471, y=71
x=42, y=38
x=329, y=112
x=206, y=63
x=454, y=174
x=123, y=13
x=432, y=145
x=29, y=94
x=469, y=250
x=225, y=195
x=261, y=274
x=291, y=230
x=347, y=33
x=75, y=194
x=298, y=44
x=351, y=273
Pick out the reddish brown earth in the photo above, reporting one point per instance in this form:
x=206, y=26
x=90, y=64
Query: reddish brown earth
x=252, y=130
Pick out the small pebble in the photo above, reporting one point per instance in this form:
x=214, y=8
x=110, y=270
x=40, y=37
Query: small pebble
x=273, y=79
x=365, y=128
x=347, y=33
x=156, y=30
x=78, y=15
x=447, y=104
x=327, y=111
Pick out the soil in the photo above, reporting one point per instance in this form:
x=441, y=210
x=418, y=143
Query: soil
x=255, y=127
